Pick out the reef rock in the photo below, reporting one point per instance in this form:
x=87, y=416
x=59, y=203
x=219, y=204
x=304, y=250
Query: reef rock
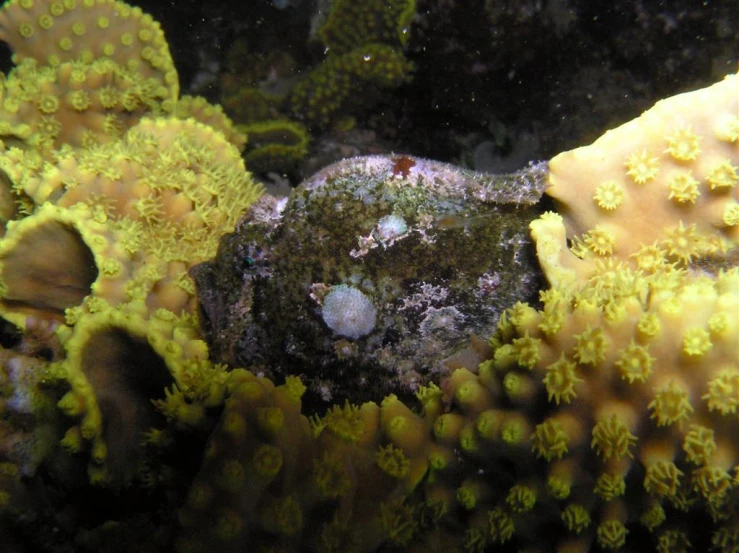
x=371, y=272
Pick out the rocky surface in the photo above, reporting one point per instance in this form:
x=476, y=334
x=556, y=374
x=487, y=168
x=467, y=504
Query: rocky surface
x=418, y=254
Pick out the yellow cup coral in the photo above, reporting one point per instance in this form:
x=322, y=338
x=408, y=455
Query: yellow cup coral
x=662, y=187
x=86, y=72
x=157, y=202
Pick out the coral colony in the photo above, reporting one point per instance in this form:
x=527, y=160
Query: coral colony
x=166, y=363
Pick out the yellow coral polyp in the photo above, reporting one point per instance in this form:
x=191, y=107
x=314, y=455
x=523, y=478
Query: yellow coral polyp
x=634, y=362
x=653, y=516
x=642, y=167
x=66, y=44
x=505, y=357
x=267, y=461
x=612, y=438
x=79, y=100
x=72, y=404
x=713, y=483
x=600, y=241
x=731, y=215
x=611, y=535
x=470, y=493
x=475, y=539
x=727, y=128
x=671, y=404
x=468, y=440
x=231, y=475
x=522, y=316
x=662, y=478
x=518, y=387
x=527, y=350
x=270, y=419
x=609, y=486
x=683, y=144
x=448, y=426
x=723, y=391
x=11, y=105
x=500, y=525
x=25, y=30
x=466, y=498
x=48, y=104
x=295, y=387
x=696, y=342
x=722, y=176
x=345, y=422
x=283, y=516
x=609, y=195
x=111, y=268
x=550, y=440
x=48, y=127
x=591, y=346
x=673, y=541
x=330, y=476
x=575, y=518
x=73, y=440
x=521, y=498
x=45, y=22
x=559, y=487
x=398, y=522
x=560, y=380
x=551, y=321
x=682, y=242
x=512, y=432
x=489, y=423
x=472, y=396
x=719, y=325
x=683, y=188
x=57, y=8
x=649, y=258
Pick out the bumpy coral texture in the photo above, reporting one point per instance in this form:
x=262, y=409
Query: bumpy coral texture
x=619, y=419
x=201, y=110
x=606, y=420
x=57, y=31
x=274, y=144
x=120, y=204
x=110, y=257
x=147, y=208
x=86, y=71
x=661, y=187
x=363, y=42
